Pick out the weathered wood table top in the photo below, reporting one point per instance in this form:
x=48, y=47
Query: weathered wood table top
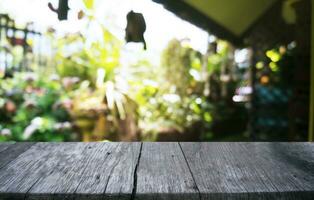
x=156, y=171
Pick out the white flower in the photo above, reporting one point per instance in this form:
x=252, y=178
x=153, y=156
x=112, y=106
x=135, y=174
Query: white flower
x=6, y=132
x=30, y=76
x=62, y=126
x=38, y=121
x=67, y=125
x=172, y=98
x=28, y=132
x=54, y=77
x=57, y=126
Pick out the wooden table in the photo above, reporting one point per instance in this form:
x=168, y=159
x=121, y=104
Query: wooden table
x=156, y=171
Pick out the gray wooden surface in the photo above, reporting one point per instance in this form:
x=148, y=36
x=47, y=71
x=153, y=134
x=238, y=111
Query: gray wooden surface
x=156, y=171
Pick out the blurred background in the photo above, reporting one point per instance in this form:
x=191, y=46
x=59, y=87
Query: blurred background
x=212, y=71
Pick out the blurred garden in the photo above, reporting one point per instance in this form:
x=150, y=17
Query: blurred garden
x=81, y=86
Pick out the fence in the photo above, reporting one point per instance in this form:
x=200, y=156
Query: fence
x=21, y=49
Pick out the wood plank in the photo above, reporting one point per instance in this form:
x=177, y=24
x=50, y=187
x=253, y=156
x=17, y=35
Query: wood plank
x=96, y=171
x=18, y=177
x=112, y=176
x=5, y=145
x=61, y=182
x=158, y=171
x=10, y=152
x=163, y=173
x=252, y=170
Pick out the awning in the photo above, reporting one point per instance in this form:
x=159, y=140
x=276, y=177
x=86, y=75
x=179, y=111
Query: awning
x=237, y=20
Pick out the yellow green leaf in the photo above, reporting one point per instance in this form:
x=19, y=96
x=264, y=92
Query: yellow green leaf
x=89, y=3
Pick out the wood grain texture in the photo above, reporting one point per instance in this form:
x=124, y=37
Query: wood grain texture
x=72, y=171
x=163, y=173
x=252, y=170
x=156, y=171
x=19, y=176
x=10, y=152
x=5, y=145
x=112, y=174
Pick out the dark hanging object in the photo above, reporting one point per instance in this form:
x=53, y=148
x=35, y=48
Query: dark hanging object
x=135, y=28
x=62, y=10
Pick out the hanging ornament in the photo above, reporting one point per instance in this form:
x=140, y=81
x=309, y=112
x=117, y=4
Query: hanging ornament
x=80, y=14
x=62, y=10
x=135, y=28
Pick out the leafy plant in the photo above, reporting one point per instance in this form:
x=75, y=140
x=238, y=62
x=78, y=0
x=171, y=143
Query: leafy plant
x=31, y=109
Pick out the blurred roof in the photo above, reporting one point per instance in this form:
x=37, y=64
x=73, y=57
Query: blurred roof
x=240, y=21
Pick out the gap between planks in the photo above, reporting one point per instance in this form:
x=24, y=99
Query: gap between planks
x=133, y=195
x=187, y=163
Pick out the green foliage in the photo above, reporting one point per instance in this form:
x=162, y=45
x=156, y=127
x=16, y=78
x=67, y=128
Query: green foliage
x=81, y=58
x=176, y=65
x=174, y=99
x=31, y=109
x=93, y=84
x=95, y=61
x=278, y=68
x=97, y=95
